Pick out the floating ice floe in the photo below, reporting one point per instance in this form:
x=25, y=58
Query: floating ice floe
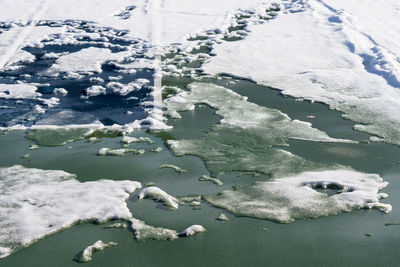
x=249, y=137
x=303, y=196
x=86, y=254
x=143, y=232
x=18, y=91
x=192, y=230
x=85, y=61
x=119, y=152
x=130, y=140
x=157, y=194
x=35, y=203
x=211, y=179
x=175, y=168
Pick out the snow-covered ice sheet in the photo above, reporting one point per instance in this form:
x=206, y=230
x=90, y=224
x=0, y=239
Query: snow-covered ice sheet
x=289, y=198
x=343, y=53
x=35, y=203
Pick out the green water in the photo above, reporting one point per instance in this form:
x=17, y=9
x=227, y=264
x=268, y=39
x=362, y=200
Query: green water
x=330, y=241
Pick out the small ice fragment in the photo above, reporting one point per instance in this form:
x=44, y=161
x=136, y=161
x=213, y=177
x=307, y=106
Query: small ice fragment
x=33, y=147
x=130, y=140
x=176, y=168
x=143, y=232
x=157, y=194
x=222, y=217
x=26, y=156
x=86, y=254
x=115, y=225
x=157, y=149
x=195, y=203
x=214, y=180
x=192, y=230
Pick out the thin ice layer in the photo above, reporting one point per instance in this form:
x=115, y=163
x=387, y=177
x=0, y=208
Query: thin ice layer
x=305, y=196
x=248, y=138
x=35, y=203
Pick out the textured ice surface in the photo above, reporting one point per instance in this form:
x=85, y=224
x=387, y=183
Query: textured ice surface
x=289, y=198
x=248, y=138
x=211, y=179
x=35, y=203
x=157, y=194
x=175, y=168
x=18, y=91
x=339, y=52
x=143, y=232
x=86, y=254
x=88, y=60
x=192, y=230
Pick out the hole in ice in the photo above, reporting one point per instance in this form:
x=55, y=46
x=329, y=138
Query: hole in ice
x=329, y=188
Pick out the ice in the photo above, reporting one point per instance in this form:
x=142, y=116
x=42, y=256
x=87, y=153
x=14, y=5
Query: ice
x=18, y=91
x=249, y=137
x=222, y=217
x=105, y=151
x=85, y=61
x=192, y=230
x=175, y=168
x=130, y=140
x=157, y=194
x=338, y=52
x=143, y=232
x=211, y=179
x=35, y=203
x=302, y=196
x=86, y=254
x=96, y=90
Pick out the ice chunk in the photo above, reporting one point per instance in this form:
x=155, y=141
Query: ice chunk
x=119, y=152
x=87, y=60
x=86, y=254
x=116, y=225
x=18, y=91
x=143, y=232
x=175, y=168
x=157, y=194
x=302, y=196
x=35, y=203
x=192, y=230
x=222, y=217
x=213, y=180
x=130, y=140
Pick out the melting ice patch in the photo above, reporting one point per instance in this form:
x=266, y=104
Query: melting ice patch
x=297, y=197
x=35, y=203
x=249, y=137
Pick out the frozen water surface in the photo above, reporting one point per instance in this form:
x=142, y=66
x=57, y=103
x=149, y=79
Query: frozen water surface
x=192, y=81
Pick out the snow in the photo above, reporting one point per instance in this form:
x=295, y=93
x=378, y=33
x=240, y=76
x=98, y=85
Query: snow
x=86, y=254
x=35, y=203
x=174, y=167
x=85, y=61
x=130, y=140
x=196, y=228
x=18, y=91
x=334, y=51
x=143, y=232
x=291, y=198
x=158, y=194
